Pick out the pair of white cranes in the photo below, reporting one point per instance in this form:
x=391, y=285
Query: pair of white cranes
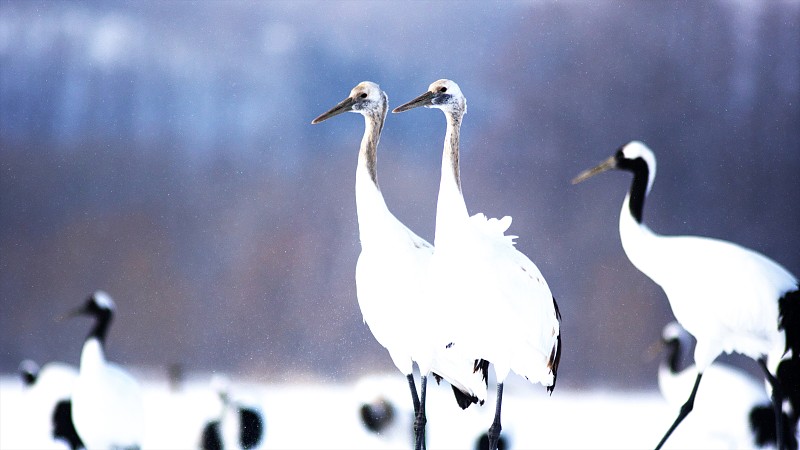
x=475, y=299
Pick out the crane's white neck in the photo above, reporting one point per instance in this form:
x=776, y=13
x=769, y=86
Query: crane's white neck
x=641, y=245
x=368, y=152
x=370, y=204
x=451, y=210
x=92, y=355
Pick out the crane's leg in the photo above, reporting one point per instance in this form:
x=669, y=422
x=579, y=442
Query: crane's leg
x=685, y=410
x=419, y=422
x=494, y=430
x=414, y=397
x=777, y=403
x=415, y=400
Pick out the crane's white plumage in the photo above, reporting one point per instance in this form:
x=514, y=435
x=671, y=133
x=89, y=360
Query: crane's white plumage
x=393, y=264
x=708, y=278
x=48, y=403
x=497, y=300
x=728, y=297
x=723, y=406
x=107, y=403
x=52, y=382
x=490, y=299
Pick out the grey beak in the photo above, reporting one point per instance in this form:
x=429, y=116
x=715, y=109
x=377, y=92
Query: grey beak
x=610, y=163
x=425, y=99
x=343, y=106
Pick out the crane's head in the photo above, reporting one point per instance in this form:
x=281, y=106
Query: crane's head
x=29, y=372
x=677, y=342
x=366, y=98
x=443, y=94
x=673, y=331
x=98, y=305
x=634, y=157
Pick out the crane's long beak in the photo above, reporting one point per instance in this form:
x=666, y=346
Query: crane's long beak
x=70, y=314
x=425, y=99
x=343, y=106
x=610, y=163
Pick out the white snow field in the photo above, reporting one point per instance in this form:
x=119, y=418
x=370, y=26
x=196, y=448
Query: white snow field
x=326, y=416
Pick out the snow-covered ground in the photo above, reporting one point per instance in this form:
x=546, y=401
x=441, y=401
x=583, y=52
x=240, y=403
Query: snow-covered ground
x=308, y=415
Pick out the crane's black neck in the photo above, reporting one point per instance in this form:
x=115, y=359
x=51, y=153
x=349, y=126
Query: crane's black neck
x=102, y=323
x=29, y=377
x=638, y=192
x=674, y=355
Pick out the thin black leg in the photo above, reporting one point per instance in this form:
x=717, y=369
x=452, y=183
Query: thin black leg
x=494, y=430
x=419, y=422
x=415, y=400
x=685, y=410
x=414, y=397
x=777, y=403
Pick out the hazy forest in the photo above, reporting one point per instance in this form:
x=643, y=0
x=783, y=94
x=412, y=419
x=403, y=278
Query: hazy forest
x=163, y=152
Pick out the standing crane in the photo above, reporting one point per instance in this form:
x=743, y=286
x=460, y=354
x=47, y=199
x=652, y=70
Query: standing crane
x=728, y=297
x=107, y=406
x=490, y=299
x=741, y=420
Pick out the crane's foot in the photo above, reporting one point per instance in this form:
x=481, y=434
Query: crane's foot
x=419, y=431
x=494, y=435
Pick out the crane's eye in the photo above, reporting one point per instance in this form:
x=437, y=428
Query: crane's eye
x=363, y=95
x=442, y=89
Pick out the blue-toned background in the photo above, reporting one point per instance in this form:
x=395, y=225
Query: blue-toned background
x=163, y=151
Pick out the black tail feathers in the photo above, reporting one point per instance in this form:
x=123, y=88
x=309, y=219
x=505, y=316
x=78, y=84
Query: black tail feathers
x=789, y=320
x=464, y=400
x=788, y=372
x=483, y=366
x=212, y=437
x=251, y=426
x=555, y=354
x=762, y=423
x=788, y=375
